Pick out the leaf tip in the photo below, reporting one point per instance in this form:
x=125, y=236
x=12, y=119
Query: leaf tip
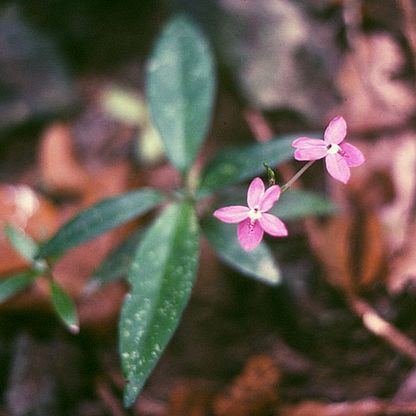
x=73, y=328
x=130, y=394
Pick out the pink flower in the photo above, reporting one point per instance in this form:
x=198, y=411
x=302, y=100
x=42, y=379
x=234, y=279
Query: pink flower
x=339, y=156
x=254, y=220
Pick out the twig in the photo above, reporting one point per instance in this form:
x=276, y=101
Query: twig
x=367, y=407
x=381, y=328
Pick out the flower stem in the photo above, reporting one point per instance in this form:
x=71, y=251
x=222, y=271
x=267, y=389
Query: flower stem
x=296, y=176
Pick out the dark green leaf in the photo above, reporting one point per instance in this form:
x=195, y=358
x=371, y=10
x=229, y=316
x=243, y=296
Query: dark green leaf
x=180, y=89
x=64, y=307
x=258, y=263
x=24, y=244
x=117, y=263
x=161, y=276
x=100, y=218
x=233, y=165
x=14, y=284
x=295, y=204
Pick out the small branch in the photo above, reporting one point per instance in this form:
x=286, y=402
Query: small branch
x=367, y=407
x=381, y=328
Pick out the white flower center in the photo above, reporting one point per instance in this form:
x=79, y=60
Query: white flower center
x=254, y=214
x=333, y=149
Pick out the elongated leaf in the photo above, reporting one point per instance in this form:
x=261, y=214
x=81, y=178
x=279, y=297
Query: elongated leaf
x=295, y=204
x=64, y=307
x=100, y=218
x=14, y=284
x=23, y=243
x=258, y=263
x=117, y=263
x=180, y=89
x=161, y=276
x=233, y=165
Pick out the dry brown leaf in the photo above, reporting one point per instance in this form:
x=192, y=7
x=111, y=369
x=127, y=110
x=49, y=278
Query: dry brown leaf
x=60, y=170
x=350, y=248
x=253, y=392
x=373, y=98
x=330, y=243
x=394, y=157
x=367, y=407
x=63, y=173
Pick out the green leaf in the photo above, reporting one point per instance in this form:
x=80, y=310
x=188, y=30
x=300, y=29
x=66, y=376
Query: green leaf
x=117, y=263
x=14, y=284
x=233, y=165
x=161, y=276
x=258, y=263
x=180, y=89
x=24, y=244
x=64, y=307
x=100, y=218
x=295, y=204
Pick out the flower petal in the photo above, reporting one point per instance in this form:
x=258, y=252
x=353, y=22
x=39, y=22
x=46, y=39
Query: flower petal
x=255, y=193
x=336, y=131
x=309, y=149
x=273, y=225
x=269, y=198
x=354, y=156
x=312, y=153
x=307, y=142
x=337, y=167
x=232, y=214
x=249, y=234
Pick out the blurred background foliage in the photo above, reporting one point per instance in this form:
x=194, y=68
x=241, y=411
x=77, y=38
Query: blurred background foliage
x=74, y=129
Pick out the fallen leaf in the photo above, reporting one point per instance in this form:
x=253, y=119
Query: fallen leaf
x=350, y=248
x=366, y=407
x=374, y=96
x=61, y=172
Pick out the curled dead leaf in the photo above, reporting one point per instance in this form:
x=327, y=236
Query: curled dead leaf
x=351, y=249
